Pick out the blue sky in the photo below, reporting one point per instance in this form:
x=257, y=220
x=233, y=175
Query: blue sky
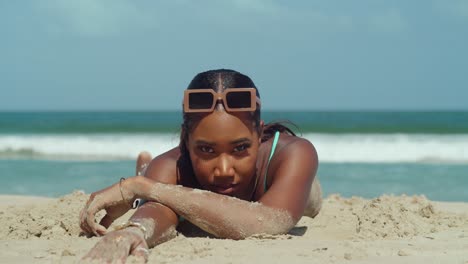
x=302, y=55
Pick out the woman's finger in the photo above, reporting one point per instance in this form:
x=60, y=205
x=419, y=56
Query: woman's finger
x=90, y=215
x=141, y=252
x=101, y=230
x=110, y=198
x=85, y=229
x=83, y=224
x=84, y=214
x=89, y=221
x=98, y=230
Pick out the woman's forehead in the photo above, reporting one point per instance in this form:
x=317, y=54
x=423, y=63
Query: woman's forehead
x=224, y=125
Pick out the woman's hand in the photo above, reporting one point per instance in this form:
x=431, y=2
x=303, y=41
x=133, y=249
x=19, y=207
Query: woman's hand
x=116, y=200
x=116, y=246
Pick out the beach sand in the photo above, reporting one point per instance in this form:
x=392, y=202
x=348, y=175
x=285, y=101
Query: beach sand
x=388, y=229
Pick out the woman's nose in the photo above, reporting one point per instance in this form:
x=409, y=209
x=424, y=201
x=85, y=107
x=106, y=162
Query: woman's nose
x=224, y=171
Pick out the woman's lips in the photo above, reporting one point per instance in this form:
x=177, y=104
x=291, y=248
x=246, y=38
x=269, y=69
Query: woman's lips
x=224, y=189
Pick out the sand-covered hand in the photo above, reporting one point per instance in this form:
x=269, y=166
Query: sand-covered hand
x=116, y=246
x=116, y=200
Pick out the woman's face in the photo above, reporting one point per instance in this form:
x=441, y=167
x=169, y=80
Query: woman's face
x=223, y=148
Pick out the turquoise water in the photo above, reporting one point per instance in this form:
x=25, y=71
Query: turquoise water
x=55, y=178
x=169, y=121
x=361, y=153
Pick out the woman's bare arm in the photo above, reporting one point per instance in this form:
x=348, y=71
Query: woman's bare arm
x=276, y=212
x=221, y=215
x=159, y=220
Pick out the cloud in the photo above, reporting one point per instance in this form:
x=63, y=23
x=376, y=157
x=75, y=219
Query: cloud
x=95, y=17
x=389, y=21
x=112, y=17
x=258, y=6
x=462, y=8
x=453, y=8
x=302, y=15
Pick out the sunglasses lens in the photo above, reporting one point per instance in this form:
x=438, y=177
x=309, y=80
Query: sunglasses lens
x=200, y=100
x=239, y=100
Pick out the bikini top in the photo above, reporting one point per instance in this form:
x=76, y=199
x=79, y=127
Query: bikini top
x=272, y=151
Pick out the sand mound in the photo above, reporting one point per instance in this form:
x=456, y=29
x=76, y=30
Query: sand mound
x=392, y=216
x=384, y=217
x=351, y=230
x=53, y=220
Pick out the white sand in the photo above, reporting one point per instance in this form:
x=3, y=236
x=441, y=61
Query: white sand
x=389, y=229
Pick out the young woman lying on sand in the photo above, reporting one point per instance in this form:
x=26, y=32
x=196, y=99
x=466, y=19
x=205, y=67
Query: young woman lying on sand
x=232, y=176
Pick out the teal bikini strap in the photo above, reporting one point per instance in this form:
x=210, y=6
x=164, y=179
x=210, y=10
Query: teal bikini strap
x=273, y=147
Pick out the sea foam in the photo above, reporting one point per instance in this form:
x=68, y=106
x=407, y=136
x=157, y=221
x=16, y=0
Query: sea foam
x=85, y=147
x=366, y=148
x=376, y=148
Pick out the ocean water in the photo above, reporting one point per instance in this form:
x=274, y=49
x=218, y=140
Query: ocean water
x=361, y=153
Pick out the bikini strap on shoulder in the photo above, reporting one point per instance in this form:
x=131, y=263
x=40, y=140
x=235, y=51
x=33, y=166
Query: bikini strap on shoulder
x=273, y=147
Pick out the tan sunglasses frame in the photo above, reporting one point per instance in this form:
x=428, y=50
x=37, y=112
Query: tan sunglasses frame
x=221, y=96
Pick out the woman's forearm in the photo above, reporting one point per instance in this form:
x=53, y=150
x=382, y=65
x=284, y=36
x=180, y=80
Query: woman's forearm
x=159, y=222
x=220, y=215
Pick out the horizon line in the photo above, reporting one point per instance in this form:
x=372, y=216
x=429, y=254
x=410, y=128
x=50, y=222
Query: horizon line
x=263, y=110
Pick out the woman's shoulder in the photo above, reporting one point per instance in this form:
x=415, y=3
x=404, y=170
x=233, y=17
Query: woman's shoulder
x=171, y=169
x=170, y=155
x=163, y=168
x=293, y=161
x=290, y=146
x=295, y=142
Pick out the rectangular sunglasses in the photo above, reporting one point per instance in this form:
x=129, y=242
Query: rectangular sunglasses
x=234, y=100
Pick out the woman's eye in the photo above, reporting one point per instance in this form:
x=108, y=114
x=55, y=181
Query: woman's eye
x=206, y=149
x=241, y=148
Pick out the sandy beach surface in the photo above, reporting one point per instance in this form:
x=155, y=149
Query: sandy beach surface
x=387, y=229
